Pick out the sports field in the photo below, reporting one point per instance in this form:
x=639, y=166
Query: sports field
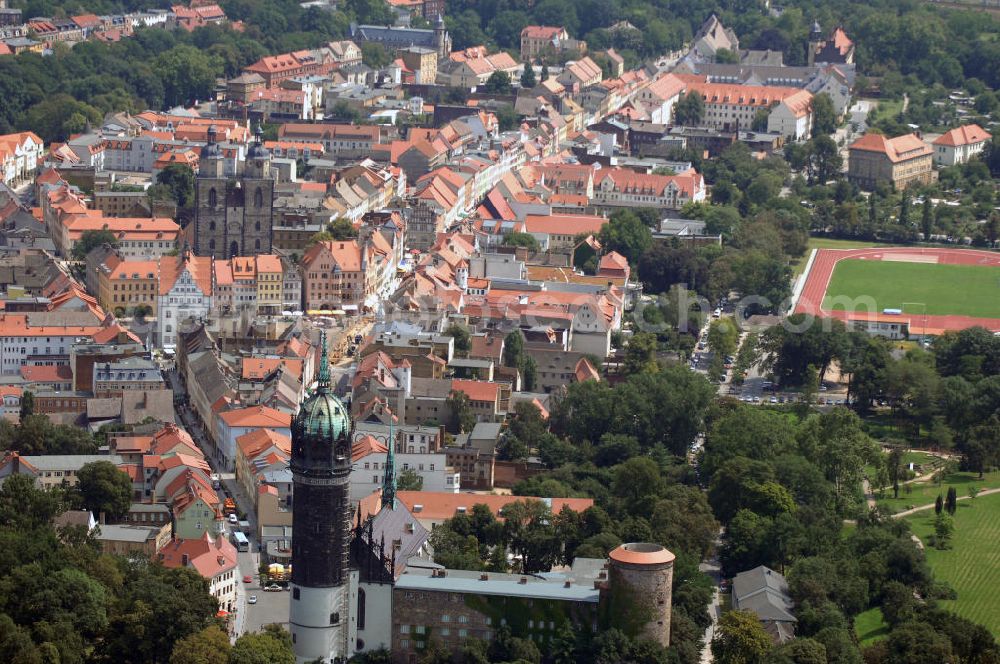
x=963, y=290
x=972, y=565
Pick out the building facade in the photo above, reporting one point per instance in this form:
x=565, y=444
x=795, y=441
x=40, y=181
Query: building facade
x=233, y=217
x=899, y=161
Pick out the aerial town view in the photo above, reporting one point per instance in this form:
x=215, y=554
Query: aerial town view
x=499, y=332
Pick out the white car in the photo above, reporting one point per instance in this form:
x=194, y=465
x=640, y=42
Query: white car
x=252, y=599
x=233, y=519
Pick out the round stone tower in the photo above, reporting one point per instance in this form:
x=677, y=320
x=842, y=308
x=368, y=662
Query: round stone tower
x=641, y=575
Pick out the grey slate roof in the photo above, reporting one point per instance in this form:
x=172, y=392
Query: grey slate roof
x=765, y=592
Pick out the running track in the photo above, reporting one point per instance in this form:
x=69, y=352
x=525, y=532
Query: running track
x=811, y=299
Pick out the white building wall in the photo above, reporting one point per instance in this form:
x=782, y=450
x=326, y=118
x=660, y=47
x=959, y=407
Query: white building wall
x=432, y=468
x=377, y=632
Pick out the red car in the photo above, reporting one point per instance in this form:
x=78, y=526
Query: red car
x=247, y=579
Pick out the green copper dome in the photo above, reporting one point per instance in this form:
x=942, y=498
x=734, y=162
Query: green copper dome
x=322, y=417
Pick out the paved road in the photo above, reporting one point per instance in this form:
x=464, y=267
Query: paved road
x=712, y=568
x=900, y=515
x=271, y=607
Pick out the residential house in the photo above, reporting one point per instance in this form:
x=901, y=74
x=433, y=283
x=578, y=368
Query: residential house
x=20, y=156
x=185, y=294
x=713, y=37
x=128, y=374
x=959, y=145
x=622, y=187
x=133, y=539
x=234, y=423
x=541, y=40
x=212, y=557
x=764, y=592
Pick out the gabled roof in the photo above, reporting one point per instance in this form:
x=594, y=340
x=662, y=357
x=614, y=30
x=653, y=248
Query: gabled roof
x=256, y=416
x=964, y=135
x=444, y=505
x=896, y=149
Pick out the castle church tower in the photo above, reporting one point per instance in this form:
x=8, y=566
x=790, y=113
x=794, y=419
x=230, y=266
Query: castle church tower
x=319, y=617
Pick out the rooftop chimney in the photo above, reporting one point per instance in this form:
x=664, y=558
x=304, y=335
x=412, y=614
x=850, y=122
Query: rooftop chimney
x=523, y=580
x=484, y=577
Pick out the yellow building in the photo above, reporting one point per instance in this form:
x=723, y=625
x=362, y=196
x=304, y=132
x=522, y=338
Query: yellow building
x=269, y=284
x=124, y=286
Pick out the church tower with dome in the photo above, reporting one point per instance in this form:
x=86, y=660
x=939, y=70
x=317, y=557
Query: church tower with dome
x=323, y=587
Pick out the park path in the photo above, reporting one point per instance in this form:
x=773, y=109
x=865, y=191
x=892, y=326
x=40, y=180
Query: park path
x=899, y=515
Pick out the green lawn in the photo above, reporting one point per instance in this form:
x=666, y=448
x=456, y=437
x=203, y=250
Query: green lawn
x=969, y=290
x=972, y=565
x=924, y=493
x=870, y=626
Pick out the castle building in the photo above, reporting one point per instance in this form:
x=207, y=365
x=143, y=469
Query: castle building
x=323, y=587
x=394, y=38
x=376, y=585
x=233, y=216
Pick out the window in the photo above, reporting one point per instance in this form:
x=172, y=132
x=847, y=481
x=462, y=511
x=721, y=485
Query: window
x=212, y=200
x=419, y=629
x=445, y=617
x=335, y=618
x=404, y=629
x=445, y=631
x=361, y=608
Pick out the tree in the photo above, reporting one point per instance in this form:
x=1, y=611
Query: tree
x=272, y=646
x=27, y=405
x=723, y=337
x=799, y=651
x=528, y=80
x=689, y=109
x=90, y=240
x=498, y=83
x=57, y=116
x=938, y=505
x=209, y=646
x=516, y=239
x=463, y=340
x=104, y=489
x=824, y=116
x=462, y=418
x=904, y=209
x=178, y=179
x=951, y=501
x=342, y=229
x=409, y=480
x=187, y=72
x=894, y=467
x=640, y=354
x=374, y=54
x=544, y=75
x=824, y=160
x=626, y=233
x=927, y=219
x=759, y=122
x=944, y=528
x=369, y=12
x=740, y=639
x=973, y=491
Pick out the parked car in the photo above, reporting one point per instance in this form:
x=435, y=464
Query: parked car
x=233, y=519
x=272, y=587
x=252, y=599
x=247, y=579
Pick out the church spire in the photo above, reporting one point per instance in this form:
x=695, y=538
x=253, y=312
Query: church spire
x=389, y=478
x=323, y=380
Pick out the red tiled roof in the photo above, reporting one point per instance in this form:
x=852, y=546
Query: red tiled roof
x=477, y=390
x=256, y=416
x=443, y=505
x=896, y=149
x=964, y=135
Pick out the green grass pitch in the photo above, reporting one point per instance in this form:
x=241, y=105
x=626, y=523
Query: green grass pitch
x=972, y=565
x=959, y=290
